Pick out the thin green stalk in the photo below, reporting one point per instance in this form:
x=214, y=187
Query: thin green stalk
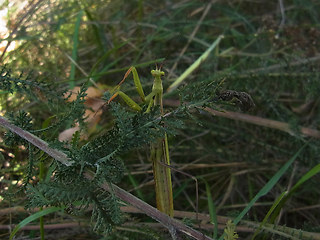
x=41, y=176
x=212, y=210
x=75, y=49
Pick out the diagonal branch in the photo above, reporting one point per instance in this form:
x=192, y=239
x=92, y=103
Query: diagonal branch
x=38, y=142
x=171, y=224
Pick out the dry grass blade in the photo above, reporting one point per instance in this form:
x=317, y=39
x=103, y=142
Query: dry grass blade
x=263, y=122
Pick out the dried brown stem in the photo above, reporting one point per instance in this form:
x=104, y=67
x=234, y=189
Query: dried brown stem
x=168, y=222
x=171, y=224
x=39, y=143
x=263, y=122
x=47, y=226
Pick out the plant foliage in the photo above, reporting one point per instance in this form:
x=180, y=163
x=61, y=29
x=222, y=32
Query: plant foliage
x=269, y=54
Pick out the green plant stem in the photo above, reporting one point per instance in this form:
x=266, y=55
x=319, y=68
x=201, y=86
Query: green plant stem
x=41, y=176
x=75, y=48
x=41, y=226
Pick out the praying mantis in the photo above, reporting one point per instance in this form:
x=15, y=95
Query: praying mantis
x=159, y=154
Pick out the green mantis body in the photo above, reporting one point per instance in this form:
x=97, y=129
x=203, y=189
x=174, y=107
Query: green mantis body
x=159, y=155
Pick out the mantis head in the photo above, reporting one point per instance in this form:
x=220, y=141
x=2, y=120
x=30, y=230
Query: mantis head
x=157, y=73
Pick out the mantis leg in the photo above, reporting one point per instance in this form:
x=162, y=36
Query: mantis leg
x=124, y=96
x=132, y=104
x=137, y=83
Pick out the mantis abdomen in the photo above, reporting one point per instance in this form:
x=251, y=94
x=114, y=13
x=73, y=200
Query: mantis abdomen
x=162, y=176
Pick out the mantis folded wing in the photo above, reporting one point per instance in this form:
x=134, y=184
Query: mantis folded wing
x=159, y=155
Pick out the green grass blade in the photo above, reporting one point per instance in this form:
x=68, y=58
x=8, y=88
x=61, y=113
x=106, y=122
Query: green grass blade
x=105, y=56
x=195, y=65
x=270, y=184
x=98, y=31
x=315, y=170
x=273, y=207
x=180, y=189
x=136, y=186
x=212, y=210
x=75, y=49
x=34, y=217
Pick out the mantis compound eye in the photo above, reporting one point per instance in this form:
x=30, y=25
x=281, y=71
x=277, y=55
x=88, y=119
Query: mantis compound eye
x=157, y=73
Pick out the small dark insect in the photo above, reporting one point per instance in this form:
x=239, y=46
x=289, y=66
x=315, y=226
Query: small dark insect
x=242, y=99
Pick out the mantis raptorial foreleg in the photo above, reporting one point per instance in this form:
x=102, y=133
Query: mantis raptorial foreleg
x=159, y=155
